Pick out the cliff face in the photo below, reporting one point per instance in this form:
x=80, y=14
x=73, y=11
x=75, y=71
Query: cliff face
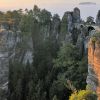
x=98, y=18
x=9, y=49
x=70, y=26
x=93, y=78
x=73, y=18
x=76, y=15
x=5, y=43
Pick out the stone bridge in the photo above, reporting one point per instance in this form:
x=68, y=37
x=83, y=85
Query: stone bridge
x=89, y=27
x=93, y=27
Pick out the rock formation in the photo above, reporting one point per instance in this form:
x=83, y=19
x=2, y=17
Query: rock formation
x=5, y=43
x=15, y=47
x=69, y=21
x=76, y=15
x=98, y=18
x=93, y=78
x=55, y=27
x=69, y=25
x=9, y=50
x=72, y=18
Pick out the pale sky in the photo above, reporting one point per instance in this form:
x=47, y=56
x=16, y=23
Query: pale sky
x=54, y=6
x=15, y=4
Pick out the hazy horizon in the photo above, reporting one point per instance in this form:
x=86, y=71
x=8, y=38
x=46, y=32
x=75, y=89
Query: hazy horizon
x=54, y=6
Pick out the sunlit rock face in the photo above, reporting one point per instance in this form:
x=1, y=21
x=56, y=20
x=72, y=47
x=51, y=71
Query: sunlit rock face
x=93, y=78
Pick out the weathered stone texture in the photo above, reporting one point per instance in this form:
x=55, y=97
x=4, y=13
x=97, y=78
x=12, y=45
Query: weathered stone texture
x=94, y=66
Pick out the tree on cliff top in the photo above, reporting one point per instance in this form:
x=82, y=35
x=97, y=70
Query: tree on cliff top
x=90, y=20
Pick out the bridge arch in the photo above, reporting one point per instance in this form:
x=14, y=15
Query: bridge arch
x=90, y=28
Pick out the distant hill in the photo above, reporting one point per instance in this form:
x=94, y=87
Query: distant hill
x=87, y=3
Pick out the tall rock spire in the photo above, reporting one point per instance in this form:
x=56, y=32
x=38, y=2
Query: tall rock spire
x=93, y=78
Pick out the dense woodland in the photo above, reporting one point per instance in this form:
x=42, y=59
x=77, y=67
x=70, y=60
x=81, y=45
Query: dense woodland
x=59, y=67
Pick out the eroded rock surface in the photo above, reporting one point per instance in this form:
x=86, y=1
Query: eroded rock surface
x=76, y=15
x=10, y=50
x=98, y=18
x=93, y=78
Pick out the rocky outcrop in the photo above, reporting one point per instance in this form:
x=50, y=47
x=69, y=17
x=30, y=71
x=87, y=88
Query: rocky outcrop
x=93, y=78
x=10, y=43
x=69, y=21
x=72, y=18
x=98, y=18
x=76, y=15
x=55, y=27
x=4, y=61
x=70, y=25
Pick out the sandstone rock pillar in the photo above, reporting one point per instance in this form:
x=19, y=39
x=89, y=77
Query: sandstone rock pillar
x=93, y=78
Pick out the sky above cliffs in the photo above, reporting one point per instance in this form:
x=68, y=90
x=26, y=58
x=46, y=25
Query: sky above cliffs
x=23, y=3
x=55, y=6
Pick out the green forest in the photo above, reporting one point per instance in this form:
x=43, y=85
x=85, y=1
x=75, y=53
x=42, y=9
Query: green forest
x=59, y=66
